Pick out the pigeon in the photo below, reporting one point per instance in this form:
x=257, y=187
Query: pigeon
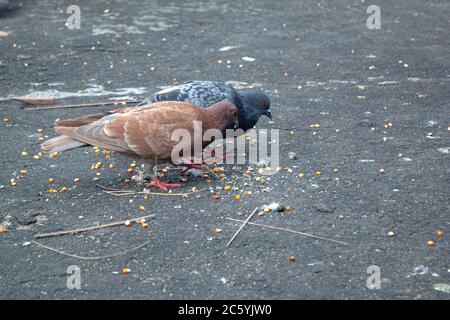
x=251, y=103
x=145, y=131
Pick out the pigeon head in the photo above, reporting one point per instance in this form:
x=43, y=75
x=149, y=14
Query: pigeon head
x=255, y=104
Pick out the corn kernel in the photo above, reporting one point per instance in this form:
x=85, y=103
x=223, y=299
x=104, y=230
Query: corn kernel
x=64, y=189
x=439, y=233
x=126, y=270
x=128, y=223
x=217, y=230
x=23, y=172
x=390, y=234
x=40, y=130
x=54, y=155
x=238, y=197
x=141, y=208
x=130, y=170
x=40, y=139
x=144, y=225
x=5, y=119
x=381, y=171
x=301, y=175
x=133, y=165
x=318, y=173
x=51, y=180
x=228, y=188
x=430, y=243
x=35, y=157
x=24, y=154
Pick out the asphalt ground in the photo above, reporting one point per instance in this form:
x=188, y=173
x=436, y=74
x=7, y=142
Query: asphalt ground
x=374, y=93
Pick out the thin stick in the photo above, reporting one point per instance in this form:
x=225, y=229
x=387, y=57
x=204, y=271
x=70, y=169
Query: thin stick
x=81, y=105
x=91, y=258
x=292, y=231
x=126, y=192
x=242, y=226
x=75, y=231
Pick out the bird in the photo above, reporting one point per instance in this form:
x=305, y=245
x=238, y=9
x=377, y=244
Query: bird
x=251, y=103
x=144, y=131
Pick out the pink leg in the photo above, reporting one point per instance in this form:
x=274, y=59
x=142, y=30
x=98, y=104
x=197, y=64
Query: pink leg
x=161, y=185
x=190, y=166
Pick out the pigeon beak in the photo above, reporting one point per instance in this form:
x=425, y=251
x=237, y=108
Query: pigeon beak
x=268, y=114
x=236, y=123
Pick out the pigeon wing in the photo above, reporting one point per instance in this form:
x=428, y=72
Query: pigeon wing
x=200, y=93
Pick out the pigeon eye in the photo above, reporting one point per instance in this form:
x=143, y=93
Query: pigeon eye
x=261, y=103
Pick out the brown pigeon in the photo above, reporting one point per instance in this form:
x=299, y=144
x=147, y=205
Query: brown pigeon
x=143, y=131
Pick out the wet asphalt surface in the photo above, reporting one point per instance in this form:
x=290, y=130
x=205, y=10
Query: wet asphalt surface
x=320, y=64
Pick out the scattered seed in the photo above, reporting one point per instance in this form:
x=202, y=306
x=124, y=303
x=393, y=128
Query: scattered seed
x=430, y=243
x=128, y=223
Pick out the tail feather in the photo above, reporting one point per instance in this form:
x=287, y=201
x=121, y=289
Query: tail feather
x=81, y=121
x=60, y=143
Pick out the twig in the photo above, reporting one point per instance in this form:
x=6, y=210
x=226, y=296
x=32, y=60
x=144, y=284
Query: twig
x=91, y=258
x=35, y=101
x=75, y=231
x=292, y=231
x=242, y=226
x=81, y=105
x=127, y=192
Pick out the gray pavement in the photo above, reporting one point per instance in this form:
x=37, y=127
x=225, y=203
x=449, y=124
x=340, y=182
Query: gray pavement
x=319, y=63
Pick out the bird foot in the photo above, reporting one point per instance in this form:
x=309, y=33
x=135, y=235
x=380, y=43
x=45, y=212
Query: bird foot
x=190, y=166
x=161, y=185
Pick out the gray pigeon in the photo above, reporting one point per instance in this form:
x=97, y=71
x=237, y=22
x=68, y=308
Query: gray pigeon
x=251, y=104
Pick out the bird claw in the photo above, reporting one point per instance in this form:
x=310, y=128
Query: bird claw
x=190, y=166
x=161, y=185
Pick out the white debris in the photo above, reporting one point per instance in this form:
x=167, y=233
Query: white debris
x=249, y=59
x=444, y=287
x=228, y=48
x=444, y=150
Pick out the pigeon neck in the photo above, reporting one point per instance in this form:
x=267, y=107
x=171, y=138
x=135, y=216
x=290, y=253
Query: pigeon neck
x=217, y=116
